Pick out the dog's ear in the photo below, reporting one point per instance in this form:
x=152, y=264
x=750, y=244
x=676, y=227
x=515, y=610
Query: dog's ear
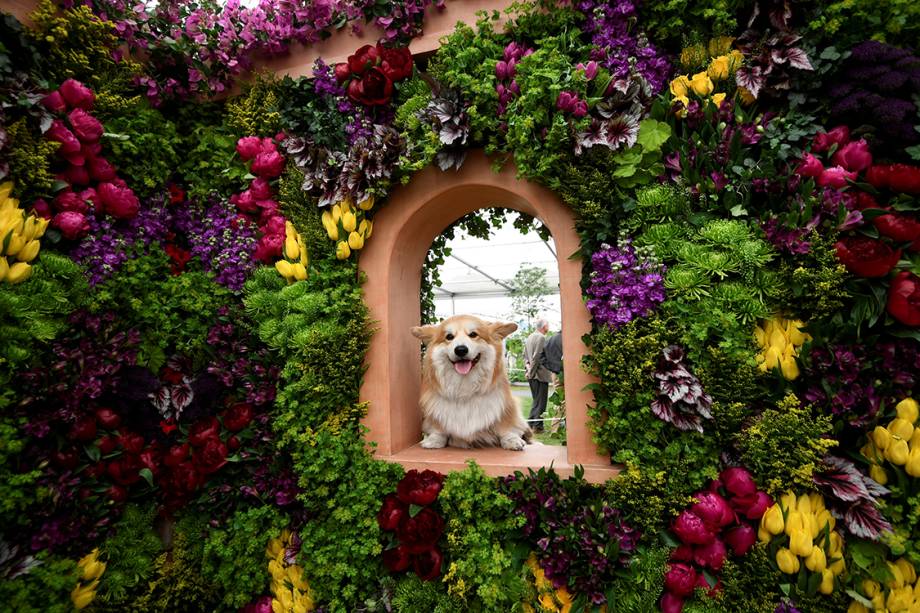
x=424, y=333
x=502, y=329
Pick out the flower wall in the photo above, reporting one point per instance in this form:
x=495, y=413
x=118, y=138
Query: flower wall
x=184, y=329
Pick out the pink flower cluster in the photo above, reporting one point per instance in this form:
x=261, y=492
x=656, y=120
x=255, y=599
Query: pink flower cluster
x=723, y=519
x=849, y=159
x=569, y=102
x=93, y=182
x=505, y=70
x=258, y=202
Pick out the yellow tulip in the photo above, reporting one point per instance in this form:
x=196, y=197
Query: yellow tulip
x=878, y=473
x=291, y=249
x=881, y=437
x=760, y=336
x=870, y=588
x=18, y=272
x=835, y=547
x=367, y=204
x=786, y=561
x=912, y=467
x=349, y=221
x=908, y=409
x=277, y=607
x=717, y=99
x=817, y=502
x=869, y=452
x=789, y=368
x=4, y=268
x=295, y=576
x=273, y=548
x=897, y=577
x=900, y=599
x=763, y=535
x=794, y=521
x=5, y=188
x=694, y=55
x=856, y=607
x=747, y=98
x=547, y=602
x=342, y=251
x=816, y=560
x=355, y=241
x=772, y=520
x=719, y=68
x=901, y=428
x=93, y=570
x=28, y=253
x=907, y=570
x=824, y=518
x=680, y=87
x=685, y=102
x=827, y=582
x=346, y=204
x=364, y=228
x=17, y=242
x=897, y=452
x=82, y=596
x=837, y=567
x=800, y=543
x=878, y=602
x=284, y=267
x=701, y=84
x=736, y=59
x=915, y=438
x=770, y=359
x=720, y=45
x=299, y=271
x=336, y=213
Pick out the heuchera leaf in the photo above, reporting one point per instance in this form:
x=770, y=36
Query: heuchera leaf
x=750, y=78
x=865, y=521
x=798, y=59
x=842, y=481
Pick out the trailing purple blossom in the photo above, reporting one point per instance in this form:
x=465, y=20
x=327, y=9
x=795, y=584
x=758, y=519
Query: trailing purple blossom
x=626, y=283
x=681, y=400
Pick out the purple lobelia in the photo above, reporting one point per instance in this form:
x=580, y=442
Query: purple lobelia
x=626, y=283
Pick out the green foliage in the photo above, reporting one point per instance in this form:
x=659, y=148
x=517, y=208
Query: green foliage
x=649, y=498
x=816, y=281
x=638, y=590
x=422, y=142
x=299, y=207
x=34, y=312
x=172, y=313
x=141, y=144
x=305, y=113
x=484, y=573
x=234, y=554
x=129, y=552
x=528, y=298
x=207, y=154
x=19, y=488
x=255, y=113
x=413, y=594
x=30, y=161
x=844, y=22
x=671, y=23
x=44, y=589
x=783, y=446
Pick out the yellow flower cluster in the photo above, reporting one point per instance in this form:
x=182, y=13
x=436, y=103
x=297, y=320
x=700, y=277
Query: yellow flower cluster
x=902, y=595
x=290, y=592
x=899, y=443
x=807, y=532
x=345, y=223
x=90, y=570
x=780, y=340
x=549, y=598
x=294, y=265
x=19, y=238
x=703, y=83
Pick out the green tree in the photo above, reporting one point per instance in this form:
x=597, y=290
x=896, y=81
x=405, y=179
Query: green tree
x=528, y=298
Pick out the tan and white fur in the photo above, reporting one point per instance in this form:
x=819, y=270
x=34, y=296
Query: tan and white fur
x=466, y=398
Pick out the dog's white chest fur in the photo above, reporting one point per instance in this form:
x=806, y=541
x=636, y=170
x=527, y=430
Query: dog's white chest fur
x=468, y=416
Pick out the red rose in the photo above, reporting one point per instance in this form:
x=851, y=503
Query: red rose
x=268, y=164
x=119, y=202
x=176, y=194
x=342, y=72
x=107, y=418
x=269, y=248
x=249, y=147
x=867, y=257
x=238, y=416
x=68, y=200
x=898, y=227
x=397, y=559
x=904, y=298
x=741, y=539
x=233, y=443
x=125, y=470
x=86, y=127
x=100, y=169
x=117, y=494
x=392, y=512
x=904, y=179
x=421, y=488
x=54, y=102
x=260, y=188
x=810, y=166
x=84, y=430
x=363, y=59
x=183, y=480
x=427, y=564
x=131, y=442
x=680, y=579
x=203, y=431
x=77, y=95
x=854, y=156
x=422, y=531
x=835, y=177
x=72, y=225
x=59, y=133
x=106, y=444
x=824, y=141
x=374, y=88
x=396, y=64
x=176, y=455
x=211, y=457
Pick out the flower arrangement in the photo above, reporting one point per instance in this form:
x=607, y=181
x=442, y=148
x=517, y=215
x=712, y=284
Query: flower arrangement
x=290, y=592
x=781, y=340
x=19, y=238
x=417, y=526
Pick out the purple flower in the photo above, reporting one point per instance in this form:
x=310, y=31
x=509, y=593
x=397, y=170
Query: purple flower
x=625, y=284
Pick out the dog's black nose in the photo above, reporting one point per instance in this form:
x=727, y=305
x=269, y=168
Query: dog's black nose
x=461, y=350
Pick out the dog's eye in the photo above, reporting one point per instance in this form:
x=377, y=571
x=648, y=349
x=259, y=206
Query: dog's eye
x=449, y=337
x=473, y=335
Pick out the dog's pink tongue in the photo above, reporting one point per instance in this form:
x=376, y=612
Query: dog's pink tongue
x=463, y=366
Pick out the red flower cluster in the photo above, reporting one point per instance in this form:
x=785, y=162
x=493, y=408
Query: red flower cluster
x=257, y=202
x=371, y=72
x=723, y=519
x=84, y=168
x=417, y=526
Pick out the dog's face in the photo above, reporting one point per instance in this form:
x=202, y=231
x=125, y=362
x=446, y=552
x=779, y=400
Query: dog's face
x=464, y=344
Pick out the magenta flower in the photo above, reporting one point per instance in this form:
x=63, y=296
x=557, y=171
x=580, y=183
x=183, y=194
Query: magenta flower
x=824, y=141
x=738, y=481
x=691, y=529
x=836, y=177
x=711, y=555
x=73, y=225
x=249, y=147
x=54, y=102
x=854, y=156
x=77, y=95
x=810, y=167
x=741, y=539
x=100, y=169
x=119, y=202
x=59, y=132
x=680, y=579
x=268, y=164
x=68, y=200
x=86, y=127
x=713, y=510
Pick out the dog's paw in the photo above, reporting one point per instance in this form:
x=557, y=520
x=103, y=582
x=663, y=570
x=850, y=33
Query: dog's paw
x=512, y=442
x=434, y=441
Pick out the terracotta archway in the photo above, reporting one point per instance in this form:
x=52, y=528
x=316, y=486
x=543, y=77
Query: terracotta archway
x=392, y=262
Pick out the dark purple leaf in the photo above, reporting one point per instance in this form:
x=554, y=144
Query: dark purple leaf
x=162, y=400
x=864, y=520
x=750, y=78
x=841, y=480
x=182, y=395
x=798, y=59
x=780, y=14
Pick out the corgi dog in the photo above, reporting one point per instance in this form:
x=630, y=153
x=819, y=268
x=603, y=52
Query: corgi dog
x=466, y=396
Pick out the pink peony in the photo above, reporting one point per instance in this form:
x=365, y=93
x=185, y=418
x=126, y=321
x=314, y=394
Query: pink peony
x=249, y=147
x=86, y=127
x=741, y=539
x=58, y=132
x=245, y=202
x=260, y=188
x=89, y=194
x=711, y=555
x=275, y=225
x=824, y=141
x=682, y=553
x=77, y=175
x=100, y=169
x=755, y=507
x=342, y=72
x=40, y=208
x=692, y=530
x=713, y=510
x=77, y=95
x=119, y=202
x=269, y=248
x=854, y=156
x=54, y=102
x=836, y=177
x=810, y=166
x=671, y=603
x=70, y=201
x=73, y=225
x=268, y=145
x=738, y=481
x=680, y=579
x=268, y=164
